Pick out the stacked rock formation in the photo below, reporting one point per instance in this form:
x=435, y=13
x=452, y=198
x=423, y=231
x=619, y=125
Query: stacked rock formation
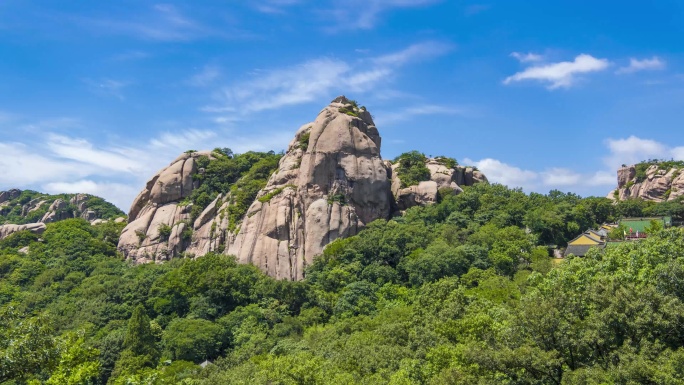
x=157, y=207
x=330, y=183
x=75, y=206
x=427, y=192
x=658, y=185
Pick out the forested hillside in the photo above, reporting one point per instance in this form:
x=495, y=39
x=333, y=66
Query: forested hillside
x=459, y=292
x=28, y=206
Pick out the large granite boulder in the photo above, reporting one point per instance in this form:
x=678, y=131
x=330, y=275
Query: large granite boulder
x=158, y=224
x=330, y=183
x=658, y=185
x=443, y=179
x=7, y=230
x=328, y=190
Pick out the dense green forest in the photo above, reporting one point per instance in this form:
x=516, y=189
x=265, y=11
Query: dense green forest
x=460, y=292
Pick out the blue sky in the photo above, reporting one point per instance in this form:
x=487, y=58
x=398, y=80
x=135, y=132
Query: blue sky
x=97, y=96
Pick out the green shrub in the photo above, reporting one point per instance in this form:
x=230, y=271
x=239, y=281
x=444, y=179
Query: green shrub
x=141, y=236
x=349, y=111
x=446, y=161
x=304, y=141
x=164, y=231
x=270, y=195
x=412, y=169
x=339, y=198
x=186, y=235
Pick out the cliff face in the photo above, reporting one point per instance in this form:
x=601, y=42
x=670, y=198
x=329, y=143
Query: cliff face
x=156, y=207
x=655, y=183
x=330, y=183
x=31, y=210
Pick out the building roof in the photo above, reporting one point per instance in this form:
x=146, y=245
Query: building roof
x=586, y=234
x=594, y=233
x=580, y=250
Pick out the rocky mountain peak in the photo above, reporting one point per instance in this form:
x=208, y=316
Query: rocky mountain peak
x=329, y=184
x=654, y=180
x=31, y=210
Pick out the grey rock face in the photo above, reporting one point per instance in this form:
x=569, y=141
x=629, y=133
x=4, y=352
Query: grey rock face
x=7, y=230
x=658, y=186
x=327, y=188
x=156, y=209
x=442, y=179
x=340, y=186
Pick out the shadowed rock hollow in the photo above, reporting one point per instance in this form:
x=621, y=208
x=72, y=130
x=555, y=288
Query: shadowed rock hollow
x=329, y=184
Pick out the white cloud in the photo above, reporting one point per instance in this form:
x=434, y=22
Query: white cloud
x=633, y=150
x=364, y=14
x=602, y=178
x=415, y=52
x=409, y=113
x=117, y=172
x=677, y=153
x=318, y=78
x=561, y=177
x=636, y=65
x=181, y=140
x=500, y=172
x=161, y=22
x=562, y=74
x=119, y=193
x=274, y=6
x=527, y=57
x=206, y=77
x=299, y=84
x=82, y=151
x=107, y=87
x=24, y=165
x=628, y=151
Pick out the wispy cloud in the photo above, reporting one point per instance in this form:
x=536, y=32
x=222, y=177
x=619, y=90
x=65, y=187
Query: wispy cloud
x=206, y=77
x=562, y=74
x=527, y=57
x=294, y=85
x=161, y=22
x=56, y=162
x=364, y=14
x=274, y=6
x=415, y=52
x=476, y=9
x=621, y=151
x=318, y=78
x=117, y=193
x=107, y=87
x=634, y=149
x=408, y=113
x=636, y=65
x=131, y=55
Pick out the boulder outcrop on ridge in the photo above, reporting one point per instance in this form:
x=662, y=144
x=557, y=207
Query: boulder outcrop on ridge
x=159, y=225
x=656, y=182
x=442, y=177
x=330, y=183
x=35, y=228
x=21, y=210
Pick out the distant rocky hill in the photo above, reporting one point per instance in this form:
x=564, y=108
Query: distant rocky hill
x=654, y=180
x=278, y=212
x=31, y=210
